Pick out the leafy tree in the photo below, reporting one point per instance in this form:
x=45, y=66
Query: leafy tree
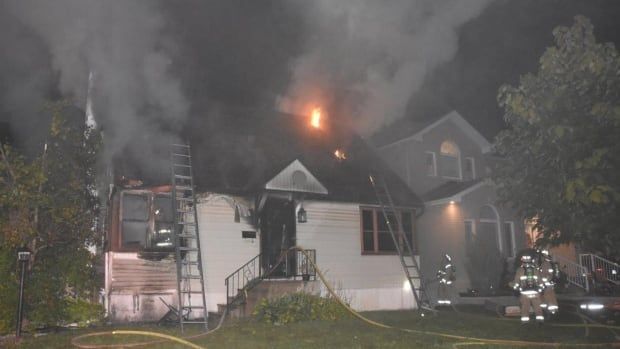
x=48, y=204
x=561, y=150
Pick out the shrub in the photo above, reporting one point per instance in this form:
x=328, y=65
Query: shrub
x=84, y=312
x=299, y=306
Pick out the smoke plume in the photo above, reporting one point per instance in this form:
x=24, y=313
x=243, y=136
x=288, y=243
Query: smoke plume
x=158, y=66
x=123, y=45
x=365, y=59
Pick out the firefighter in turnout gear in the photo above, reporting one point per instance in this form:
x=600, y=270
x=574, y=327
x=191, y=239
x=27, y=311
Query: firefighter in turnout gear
x=550, y=274
x=446, y=276
x=529, y=284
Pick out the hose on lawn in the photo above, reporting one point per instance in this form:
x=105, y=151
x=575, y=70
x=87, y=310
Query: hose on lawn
x=463, y=340
x=165, y=338
x=467, y=340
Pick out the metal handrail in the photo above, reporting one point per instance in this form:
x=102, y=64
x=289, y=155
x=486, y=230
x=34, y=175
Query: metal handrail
x=251, y=273
x=241, y=278
x=575, y=274
x=600, y=268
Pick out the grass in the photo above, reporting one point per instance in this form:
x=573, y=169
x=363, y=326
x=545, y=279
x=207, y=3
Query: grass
x=352, y=333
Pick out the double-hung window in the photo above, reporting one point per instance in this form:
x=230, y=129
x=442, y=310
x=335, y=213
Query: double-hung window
x=135, y=220
x=146, y=221
x=450, y=160
x=376, y=236
x=509, y=239
x=470, y=169
x=430, y=164
x=470, y=232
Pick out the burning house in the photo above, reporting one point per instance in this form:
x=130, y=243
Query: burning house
x=259, y=189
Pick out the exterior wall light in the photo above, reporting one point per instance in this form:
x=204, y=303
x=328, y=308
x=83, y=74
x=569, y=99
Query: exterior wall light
x=302, y=216
x=452, y=202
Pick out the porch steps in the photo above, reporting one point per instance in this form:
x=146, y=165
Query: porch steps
x=266, y=289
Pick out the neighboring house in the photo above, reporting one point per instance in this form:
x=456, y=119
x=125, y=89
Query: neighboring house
x=447, y=162
x=253, y=182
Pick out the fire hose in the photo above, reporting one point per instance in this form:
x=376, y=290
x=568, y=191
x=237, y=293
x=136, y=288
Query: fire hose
x=463, y=340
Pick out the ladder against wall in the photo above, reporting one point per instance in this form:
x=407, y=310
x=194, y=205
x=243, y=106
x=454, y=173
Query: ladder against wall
x=401, y=242
x=190, y=276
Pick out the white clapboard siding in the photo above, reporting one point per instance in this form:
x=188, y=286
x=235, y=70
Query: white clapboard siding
x=370, y=282
x=223, y=249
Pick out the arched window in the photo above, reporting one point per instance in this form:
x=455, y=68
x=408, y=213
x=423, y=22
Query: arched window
x=450, y=160
x=449, y=148
x=488, y=227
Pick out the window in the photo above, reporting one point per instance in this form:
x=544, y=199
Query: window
x=376, y=236
x=488, y=228
x=146, y=221
x=509, y=238
x=135, y=220
x=470, y=231
x=470, y=169
x=450, y=160
x=431, y=164
x=162, y=209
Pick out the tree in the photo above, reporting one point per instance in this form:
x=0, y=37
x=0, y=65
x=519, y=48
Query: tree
x=561, y=150
x=48, y=204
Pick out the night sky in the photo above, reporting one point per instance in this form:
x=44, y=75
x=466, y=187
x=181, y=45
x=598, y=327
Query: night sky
x=505, y=42
x=160, y=67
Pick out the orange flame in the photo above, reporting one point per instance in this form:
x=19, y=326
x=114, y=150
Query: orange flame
x=315, y=120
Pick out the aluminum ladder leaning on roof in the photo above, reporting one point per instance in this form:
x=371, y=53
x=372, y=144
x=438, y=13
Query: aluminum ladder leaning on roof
x=187, y=242
x=404, y=250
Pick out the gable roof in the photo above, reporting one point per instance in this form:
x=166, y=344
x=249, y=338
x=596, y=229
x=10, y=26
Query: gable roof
x=451, y=191
x=248, y=152
x=296, y=177
x=419, y=129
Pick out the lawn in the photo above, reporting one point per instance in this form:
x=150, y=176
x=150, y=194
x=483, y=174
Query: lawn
x=353, y=333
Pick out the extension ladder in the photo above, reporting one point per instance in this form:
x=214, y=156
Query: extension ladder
x=190, y=279
x=404, y=250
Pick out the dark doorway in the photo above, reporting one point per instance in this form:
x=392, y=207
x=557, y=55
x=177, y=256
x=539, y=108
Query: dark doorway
x=277, y=236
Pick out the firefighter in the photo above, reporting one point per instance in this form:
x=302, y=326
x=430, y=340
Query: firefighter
x=446, y=276
x=550, y=274
x=527, y=281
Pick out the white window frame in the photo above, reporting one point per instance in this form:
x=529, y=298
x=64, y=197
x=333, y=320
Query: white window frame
x=498, y=224
x=434, y=174
x=512, y=238
x=473, y=166
x=458, y=161
x=473, y=227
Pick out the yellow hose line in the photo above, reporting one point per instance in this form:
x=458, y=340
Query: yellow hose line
x=463, y=344
x=160, y=335
x=164, y=339
x=470, y=340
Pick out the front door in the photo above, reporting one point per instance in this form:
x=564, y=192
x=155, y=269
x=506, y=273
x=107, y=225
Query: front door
x=277, y=236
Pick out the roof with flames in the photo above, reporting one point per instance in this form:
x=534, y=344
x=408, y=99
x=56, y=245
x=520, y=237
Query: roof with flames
x=239, y=152
x=247, y=152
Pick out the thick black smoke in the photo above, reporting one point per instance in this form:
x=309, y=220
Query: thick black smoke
x=160, y=67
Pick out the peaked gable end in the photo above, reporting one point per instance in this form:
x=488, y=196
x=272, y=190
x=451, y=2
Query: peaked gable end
x=296, y=177
x=460, y=122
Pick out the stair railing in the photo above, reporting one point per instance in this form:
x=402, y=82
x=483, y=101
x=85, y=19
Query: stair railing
x=600, y=268
x=251, y=273
x=575, y=274
x=241, y=278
